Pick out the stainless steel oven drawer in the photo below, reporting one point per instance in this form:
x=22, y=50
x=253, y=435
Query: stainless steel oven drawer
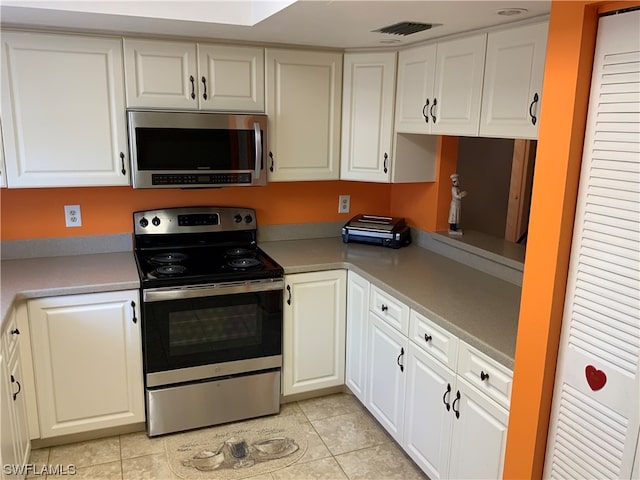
x=184, y=407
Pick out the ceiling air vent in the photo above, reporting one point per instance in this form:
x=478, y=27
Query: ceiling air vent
x=405, y=28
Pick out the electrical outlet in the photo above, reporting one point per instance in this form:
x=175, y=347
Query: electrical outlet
x=72, y=216
x=344, y=203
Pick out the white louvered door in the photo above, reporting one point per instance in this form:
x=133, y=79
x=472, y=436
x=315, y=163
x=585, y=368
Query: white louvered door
x=596, y=408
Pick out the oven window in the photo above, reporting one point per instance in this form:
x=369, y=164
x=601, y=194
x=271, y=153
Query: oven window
x=200, y=331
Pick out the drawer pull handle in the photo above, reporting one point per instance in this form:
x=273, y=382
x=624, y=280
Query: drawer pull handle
x=457, y=412
x=133, y=308
x=204, y=82
x=193, y=87
x=124, y=170
x=15, y=331
x=13, y=380
x=398, y=359
x=271, y=157
x=425, y=114
x=445, y=400
x=433, y=117
x=484, y=376
x=384, y=307
x=427, y=338
x=534, y=119
x=386, y=157
x=289, y=290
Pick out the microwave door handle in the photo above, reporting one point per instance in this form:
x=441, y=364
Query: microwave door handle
x=259, y=166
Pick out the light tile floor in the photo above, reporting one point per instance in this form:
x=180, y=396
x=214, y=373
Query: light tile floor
x=344, y=442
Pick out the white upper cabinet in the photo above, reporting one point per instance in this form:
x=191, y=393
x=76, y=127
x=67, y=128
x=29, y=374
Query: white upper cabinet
x=304, y=92
x=414, y=95
x=457, y=94
x=367, y=116
x=512, y=90
x=63, y=110
x=185, y=75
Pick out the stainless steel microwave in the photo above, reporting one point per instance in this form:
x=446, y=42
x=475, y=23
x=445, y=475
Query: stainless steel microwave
x=171, y=149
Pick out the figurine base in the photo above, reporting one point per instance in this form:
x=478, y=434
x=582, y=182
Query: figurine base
x=455, y=232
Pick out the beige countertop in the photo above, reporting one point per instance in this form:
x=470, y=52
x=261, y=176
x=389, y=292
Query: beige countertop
x=65, y=275
x=478, y=308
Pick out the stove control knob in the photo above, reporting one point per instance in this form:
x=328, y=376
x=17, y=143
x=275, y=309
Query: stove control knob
x=144, y=222
x=237, y=218
x=155, y=221
x=248, y=219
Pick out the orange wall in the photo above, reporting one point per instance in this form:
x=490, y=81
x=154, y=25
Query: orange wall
x=426, y=205
x=39, y=213
x=565, y=92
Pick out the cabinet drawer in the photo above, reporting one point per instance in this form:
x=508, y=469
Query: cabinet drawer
x=433, y=339
x=485, y=373
x=394, y=312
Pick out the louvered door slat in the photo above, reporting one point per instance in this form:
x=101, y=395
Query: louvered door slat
x=595, y=413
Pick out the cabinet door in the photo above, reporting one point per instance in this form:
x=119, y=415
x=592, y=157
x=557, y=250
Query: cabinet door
x=386, y=357
x=512, y=89
x=8, y=454
x=357, y=320
x=22, y=444
x=314, y=331
x=367, y=116
x=233, y=78
x=458, y=86
x=87, y=361
x=479, y=435
x=414, y=95
x=304, y=93
x=161, y=74
x=63, y=110
x=428, y=416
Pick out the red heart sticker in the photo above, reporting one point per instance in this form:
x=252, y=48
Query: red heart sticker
x=595, y=378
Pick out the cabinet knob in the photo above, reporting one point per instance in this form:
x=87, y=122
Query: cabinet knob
x=484, y=376
x=384, y=308
x=427, y=338
x=15, y=331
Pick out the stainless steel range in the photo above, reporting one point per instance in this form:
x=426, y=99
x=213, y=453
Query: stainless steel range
x=211, y=317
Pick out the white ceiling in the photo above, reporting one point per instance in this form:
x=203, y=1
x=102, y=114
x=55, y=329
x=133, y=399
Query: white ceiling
x=340, y=24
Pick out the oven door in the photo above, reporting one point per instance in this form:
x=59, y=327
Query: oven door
x=199, y=332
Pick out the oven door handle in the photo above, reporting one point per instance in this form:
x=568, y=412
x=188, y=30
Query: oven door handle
x=212, y=289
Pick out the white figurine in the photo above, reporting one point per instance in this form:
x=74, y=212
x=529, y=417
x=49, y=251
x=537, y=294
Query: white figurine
x=454, y=211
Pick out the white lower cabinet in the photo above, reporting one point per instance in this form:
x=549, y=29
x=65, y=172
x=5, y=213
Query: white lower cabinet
x=479, y=434
x=441, y=399
x=357, y=320
x=428, y=416
x=313, y=350
x=87, y=360
x=15, y=445
x=387, y=349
